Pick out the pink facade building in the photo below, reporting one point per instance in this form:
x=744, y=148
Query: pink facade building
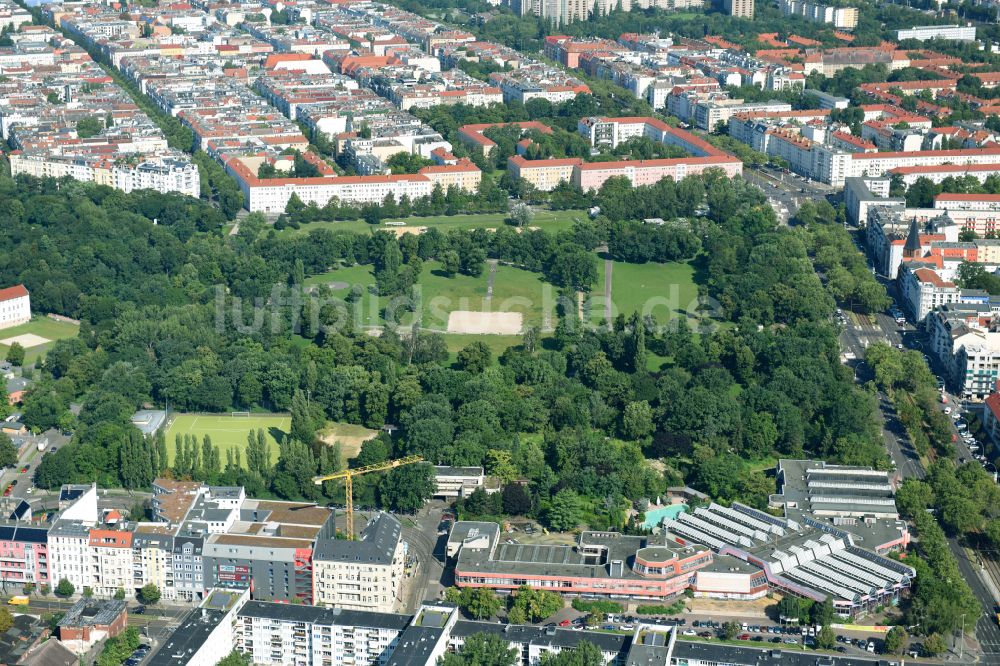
x=647, y=172
x=24, y=555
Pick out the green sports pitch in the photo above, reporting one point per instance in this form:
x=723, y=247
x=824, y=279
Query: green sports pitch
x=227, y=431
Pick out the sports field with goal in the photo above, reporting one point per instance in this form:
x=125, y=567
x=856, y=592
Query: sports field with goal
x=228, y=431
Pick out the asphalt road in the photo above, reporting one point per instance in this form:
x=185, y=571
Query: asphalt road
x=857, y=335
x=427, y=549
x=785, y=192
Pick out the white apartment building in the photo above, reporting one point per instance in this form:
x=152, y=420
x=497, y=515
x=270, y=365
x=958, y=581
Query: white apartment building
x=963, y=337
x=977, y=363
x=280, y=634
x=15, y=306
x=152, y=560
x=843, y=18
x=111, y=561
x=69, y=554
x=923, y=289
x=957, y=32
x=364, y=574
x=163, y=174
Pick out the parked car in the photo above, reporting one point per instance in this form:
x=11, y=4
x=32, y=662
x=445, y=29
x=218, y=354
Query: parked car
x=565, y=623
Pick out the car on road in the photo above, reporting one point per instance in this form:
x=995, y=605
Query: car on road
x=29, y=491
x=743, y=637
x=689, y=632
x=23, y=469
x=141, y=610
x=791, y=641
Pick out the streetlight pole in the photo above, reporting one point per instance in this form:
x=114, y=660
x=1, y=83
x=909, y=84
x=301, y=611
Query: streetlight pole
x=961, y=647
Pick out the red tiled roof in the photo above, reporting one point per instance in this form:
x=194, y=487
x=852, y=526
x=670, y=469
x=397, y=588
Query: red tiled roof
x=927, y=275
x=540, y=164
x=110, y=539
x=934, y=168
x=993, y=402
x=10, y=293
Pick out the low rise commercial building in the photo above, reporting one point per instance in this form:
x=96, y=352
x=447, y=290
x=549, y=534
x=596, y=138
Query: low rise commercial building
x=91, y=620
x=601, y=563
x=455, y=482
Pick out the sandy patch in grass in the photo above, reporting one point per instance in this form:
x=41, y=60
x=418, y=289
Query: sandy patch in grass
x=26, y=340
x=400, y=231
x=350, y=438
x=483, y=323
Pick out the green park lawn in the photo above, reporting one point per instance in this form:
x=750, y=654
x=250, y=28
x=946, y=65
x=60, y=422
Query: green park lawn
x=360, y=274
x=230, y=432
x=41, y=326
x=440, y=295
x=518, y=290
x=497, y=344
x=550, y=220
x=662, y=290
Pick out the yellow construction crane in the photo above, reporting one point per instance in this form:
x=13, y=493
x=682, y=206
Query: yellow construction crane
x=348, y=476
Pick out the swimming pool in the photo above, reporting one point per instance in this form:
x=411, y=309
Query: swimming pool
x=655, y=516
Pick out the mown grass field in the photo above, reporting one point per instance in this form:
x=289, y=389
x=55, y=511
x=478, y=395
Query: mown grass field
x=42, y=326
x=440, y=295
x=358, y=274
x=518, y=290
x=227, y=432
x=662, y=290
x=497, y=343
x=550, y=220
x=230, y=432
